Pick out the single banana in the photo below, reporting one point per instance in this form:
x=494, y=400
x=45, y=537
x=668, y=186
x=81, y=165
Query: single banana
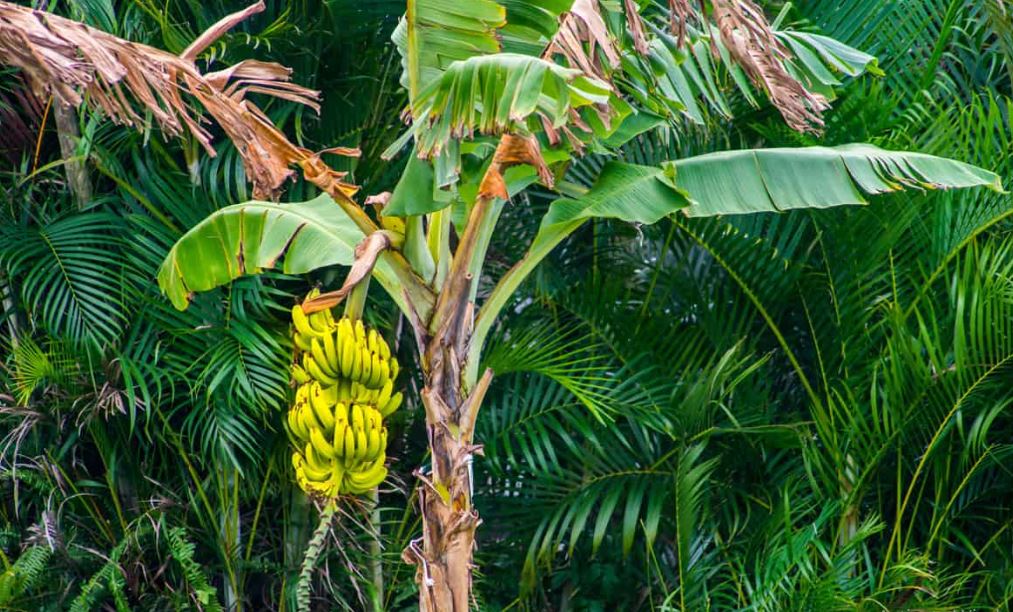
x=375, y=381
x=361, y=444
x=371, y=341
x=299, y=374
x=317, y=351
x=308, y=419
x=321, y=408
x=356, y=373
x=392, y=404
x=300, y=474
x=360, y=332
x=331, y=352
x=394, y=368
x=373, y=445
x=318, y=322
x=340, y=413
x=321, y=445
x=349, y=446
x=339, y=440
x=302, y=341
x=301, y=322
x=383, y=395
x=314, y=371
x=347, y=347
x=295, y=425
x=369, y=415
x=358, y=420
x=302, y=392
x=367, y=366
x=384, y=349
x=384, y=373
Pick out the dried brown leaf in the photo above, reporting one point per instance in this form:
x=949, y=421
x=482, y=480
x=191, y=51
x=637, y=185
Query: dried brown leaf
x=747, y=36
x=366, y=254
x=582, y=32
x=511, y=151
x=679, y=12
x=129, y=81
x=636, y=24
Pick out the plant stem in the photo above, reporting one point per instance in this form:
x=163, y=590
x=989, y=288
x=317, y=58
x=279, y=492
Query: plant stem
x=376, y=552
x=356, y=301
x=313, y=551
x=69, y=135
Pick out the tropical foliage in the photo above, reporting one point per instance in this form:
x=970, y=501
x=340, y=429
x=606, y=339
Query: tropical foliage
x=788, y=411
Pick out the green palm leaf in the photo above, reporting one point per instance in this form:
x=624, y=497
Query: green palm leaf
x=73, y=275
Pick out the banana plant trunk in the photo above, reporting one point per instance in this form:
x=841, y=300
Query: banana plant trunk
x=449, y=519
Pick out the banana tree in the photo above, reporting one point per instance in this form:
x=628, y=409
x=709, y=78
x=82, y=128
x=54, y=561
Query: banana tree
x=503, y=96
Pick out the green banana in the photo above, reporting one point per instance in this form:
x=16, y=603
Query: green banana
x=347, y=361
x=316, y=472
x=339, y=440
x=360, y=481
x=383, y=395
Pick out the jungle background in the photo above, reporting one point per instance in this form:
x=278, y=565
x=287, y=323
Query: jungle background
x=806, y=411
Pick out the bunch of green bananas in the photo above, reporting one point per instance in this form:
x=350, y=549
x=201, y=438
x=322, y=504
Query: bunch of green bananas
x=346, y=388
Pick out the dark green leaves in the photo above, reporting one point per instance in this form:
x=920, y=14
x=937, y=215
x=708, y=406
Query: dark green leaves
x=73, y=275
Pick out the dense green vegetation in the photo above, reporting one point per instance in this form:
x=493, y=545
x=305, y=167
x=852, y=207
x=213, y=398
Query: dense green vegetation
x=797, y=411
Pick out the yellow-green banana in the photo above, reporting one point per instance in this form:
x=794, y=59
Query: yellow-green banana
x=321, y=445
x=392, y=404
x=301, y=322
x=373, y=444
x=348, y=448
x=317, y=352
x=299, y=374
x=310, y=365
x=357, y=420
x=321, y=408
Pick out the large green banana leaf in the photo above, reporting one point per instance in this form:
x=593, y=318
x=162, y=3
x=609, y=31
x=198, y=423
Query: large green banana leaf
x=734, y=182
x=763, y=180
x=247, y=238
